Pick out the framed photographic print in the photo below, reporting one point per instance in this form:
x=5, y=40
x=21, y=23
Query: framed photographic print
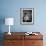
x=26, y=15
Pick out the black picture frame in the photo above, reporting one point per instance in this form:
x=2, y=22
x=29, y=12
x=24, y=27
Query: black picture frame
x=26, y=15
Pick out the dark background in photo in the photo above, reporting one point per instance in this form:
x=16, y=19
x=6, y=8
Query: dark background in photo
x=27, y=15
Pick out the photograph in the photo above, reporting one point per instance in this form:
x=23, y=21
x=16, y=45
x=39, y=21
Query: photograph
x=26, y=15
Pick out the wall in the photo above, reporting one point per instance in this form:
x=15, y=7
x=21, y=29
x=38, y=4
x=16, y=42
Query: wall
x=11, y=8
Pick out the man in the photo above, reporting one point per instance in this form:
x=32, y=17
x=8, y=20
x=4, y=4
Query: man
x=27, y=17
